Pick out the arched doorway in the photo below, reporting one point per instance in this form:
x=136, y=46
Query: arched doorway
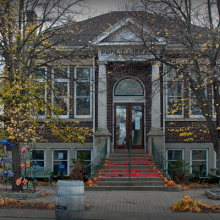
x=128, y=100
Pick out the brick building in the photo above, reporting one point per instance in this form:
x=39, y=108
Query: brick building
x=123, y=94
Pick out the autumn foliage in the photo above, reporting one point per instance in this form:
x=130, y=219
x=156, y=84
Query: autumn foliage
x=190, y=205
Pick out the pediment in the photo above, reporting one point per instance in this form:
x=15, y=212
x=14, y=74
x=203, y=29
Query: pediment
x=126, y=31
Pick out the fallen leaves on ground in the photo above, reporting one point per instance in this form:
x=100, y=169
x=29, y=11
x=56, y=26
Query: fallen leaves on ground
x=87, y=207
x=46, y=194
x=209, y=196
x=6, y=203
x=194, y=185
x=190, y=205
x=45, y=183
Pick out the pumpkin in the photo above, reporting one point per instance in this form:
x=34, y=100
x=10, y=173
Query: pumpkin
x=94, y=179
x=161, y=175
x=164, y=179
x=170, y=183
x=89, y=183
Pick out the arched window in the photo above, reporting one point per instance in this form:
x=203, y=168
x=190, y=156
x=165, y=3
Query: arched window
x=129, y=87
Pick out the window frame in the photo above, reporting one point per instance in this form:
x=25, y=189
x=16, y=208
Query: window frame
x=199, y=160
x=37, y=159
x=167, y=80
x=67, y=172
x=82, y=150
x=173, y=160
x=90, y=96
x=44, y=81
x=68, y=89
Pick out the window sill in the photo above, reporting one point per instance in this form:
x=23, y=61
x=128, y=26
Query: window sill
x=187, y=119
x=69, y=119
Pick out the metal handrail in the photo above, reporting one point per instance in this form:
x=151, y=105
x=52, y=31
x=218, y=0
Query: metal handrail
x=98, y=161
x=161, y=161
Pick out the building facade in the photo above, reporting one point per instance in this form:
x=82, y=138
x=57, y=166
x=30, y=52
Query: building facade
x=115, y=87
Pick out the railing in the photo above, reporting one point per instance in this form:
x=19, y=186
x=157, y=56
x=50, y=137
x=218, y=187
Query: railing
x=162, y=162
x=95, y=165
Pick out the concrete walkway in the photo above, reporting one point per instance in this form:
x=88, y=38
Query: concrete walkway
x=148, y=205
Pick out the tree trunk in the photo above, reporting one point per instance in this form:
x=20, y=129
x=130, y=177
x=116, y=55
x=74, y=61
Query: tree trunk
x=16, y=161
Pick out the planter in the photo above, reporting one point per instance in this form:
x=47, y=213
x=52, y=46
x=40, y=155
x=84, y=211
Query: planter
x=69, y=199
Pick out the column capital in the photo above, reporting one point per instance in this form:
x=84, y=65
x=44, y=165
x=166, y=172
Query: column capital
x=102, y=62
x=156, y=63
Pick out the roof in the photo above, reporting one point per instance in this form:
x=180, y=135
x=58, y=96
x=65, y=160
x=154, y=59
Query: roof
x=84, y=32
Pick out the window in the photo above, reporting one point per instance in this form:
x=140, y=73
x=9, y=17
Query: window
x=61, y=90
x=194, y=109
x=174, y=93
x=86, y=155
x=40, y=76
x=172, y=155
x=83, y=88
x=39, y=156
x=199, y=161
x=60, y=162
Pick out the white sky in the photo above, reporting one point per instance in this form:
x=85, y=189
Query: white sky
x=97, y=7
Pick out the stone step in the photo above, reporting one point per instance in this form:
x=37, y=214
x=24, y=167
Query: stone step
x=133, y=167
x=146, y=179
x=126, y=155
x=114, y=171
x=116, y=160
x=132, y=183
x=134, y=188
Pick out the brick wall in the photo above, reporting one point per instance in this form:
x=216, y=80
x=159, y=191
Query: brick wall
x=116, y=71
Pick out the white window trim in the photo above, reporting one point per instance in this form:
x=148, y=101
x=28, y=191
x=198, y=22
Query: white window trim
x=199, y=160
x=59, y=160
x=190, y=110
x=45, y=81
x=173, y=160
x=215, y=159
x=90, y=96
x=44, y=155
x=68, y=82
x=166, y=104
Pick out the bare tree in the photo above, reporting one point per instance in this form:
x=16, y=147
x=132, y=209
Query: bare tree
x=34, y=34
x=183, y=35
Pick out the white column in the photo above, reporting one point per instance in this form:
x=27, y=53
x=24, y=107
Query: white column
x=156, y=134
x=102, y=98
x=155, y=96
x=102, y=132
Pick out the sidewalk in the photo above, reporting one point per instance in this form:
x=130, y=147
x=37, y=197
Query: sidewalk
x=119, y=205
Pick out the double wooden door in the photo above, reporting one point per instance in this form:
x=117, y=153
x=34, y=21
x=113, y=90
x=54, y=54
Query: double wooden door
x=129, y=122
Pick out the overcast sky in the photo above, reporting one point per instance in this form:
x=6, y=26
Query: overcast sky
x=97, y=7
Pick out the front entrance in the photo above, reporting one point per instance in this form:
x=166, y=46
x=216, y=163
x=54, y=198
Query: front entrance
x=129, y=122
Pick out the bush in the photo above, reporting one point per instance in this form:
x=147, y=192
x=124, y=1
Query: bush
x=195, y=177
x=180, y=171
